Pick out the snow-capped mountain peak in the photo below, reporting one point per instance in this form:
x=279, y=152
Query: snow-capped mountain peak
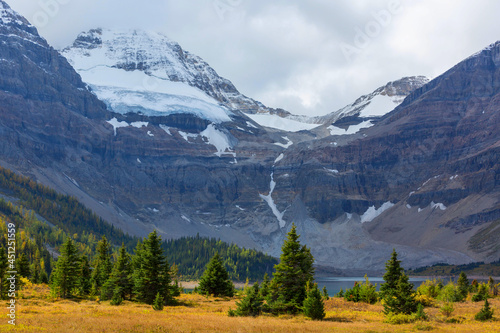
x=141, y=72
x=12, y=21
x=10, y=17
x=146, y=72
x=379, y=102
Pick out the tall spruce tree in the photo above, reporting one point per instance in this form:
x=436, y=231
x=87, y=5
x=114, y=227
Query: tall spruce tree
x=102, y=265
x=120, y=281
x=152, y=271
x=23, y=266
x=287, y=290
x=215, y=279
x=264, y=286
x=397, y=291
x=463, y=286
x=393, y=272
x=84, y=283
x=66, y=273
x=401, y=299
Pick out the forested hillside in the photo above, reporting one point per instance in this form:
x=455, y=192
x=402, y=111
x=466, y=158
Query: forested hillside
x=44, y=219
x=191, y=254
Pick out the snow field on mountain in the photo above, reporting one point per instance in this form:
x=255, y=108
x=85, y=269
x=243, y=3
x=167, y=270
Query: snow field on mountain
x=353, y=129
x=135, y=91
x=274, y=121
x=151, y=91
x=380, y=105
x=371, y=213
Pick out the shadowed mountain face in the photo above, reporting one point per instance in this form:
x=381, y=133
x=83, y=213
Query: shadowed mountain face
x=424, y=178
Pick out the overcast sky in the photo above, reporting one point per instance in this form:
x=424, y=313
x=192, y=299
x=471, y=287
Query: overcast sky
x=308, y=57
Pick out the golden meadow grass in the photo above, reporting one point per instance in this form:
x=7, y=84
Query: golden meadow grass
x=38, y=312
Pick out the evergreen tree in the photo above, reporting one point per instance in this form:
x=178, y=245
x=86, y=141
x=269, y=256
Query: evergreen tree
x=4, y=264
x=65, y=276
x=85, y=284
x=482, y=293
x=294, y=271
x=420, y=314
x=102, y=265
x=36, y=268
x=176, y=289
x=215, y=279
x=463, y=286
x=23, y=266
x=325, y=294
x=158, y=302
x=251, y=304
x=402, y=298
x=116, y=299
x=485, y=313
x=120, y=281
x=314, y=307
x=152, y=272
x=393, y=273
x=264, y=287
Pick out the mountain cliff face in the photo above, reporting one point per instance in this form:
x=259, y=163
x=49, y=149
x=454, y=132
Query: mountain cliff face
x=169, y=155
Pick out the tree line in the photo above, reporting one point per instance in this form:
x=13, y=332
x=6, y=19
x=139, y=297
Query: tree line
x=144, y=276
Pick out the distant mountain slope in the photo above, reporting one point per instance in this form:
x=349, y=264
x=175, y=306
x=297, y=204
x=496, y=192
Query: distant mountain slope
x=425, y=175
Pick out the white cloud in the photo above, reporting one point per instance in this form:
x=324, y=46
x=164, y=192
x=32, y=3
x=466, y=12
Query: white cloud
x=287, y=53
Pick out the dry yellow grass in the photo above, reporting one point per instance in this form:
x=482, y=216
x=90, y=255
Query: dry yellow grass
x=36, y=312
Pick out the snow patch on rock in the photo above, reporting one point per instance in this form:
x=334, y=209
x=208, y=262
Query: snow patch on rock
x=284, y=145
x=117, y=124
x=438, y=205
x=270, y=202
x=218, y=139
x=371, y=213
x=353, y=129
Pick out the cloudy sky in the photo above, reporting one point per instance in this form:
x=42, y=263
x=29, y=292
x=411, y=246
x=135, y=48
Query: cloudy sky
x=309, y=57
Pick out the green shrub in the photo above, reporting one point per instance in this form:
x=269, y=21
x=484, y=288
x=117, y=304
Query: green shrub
x=454, y=320
x=424, y=327
x=352, y=295
x=362, y=292
x=430, y=288
x=447, y=309
x=399, y=318
x=426, y=301
x=450, y=293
